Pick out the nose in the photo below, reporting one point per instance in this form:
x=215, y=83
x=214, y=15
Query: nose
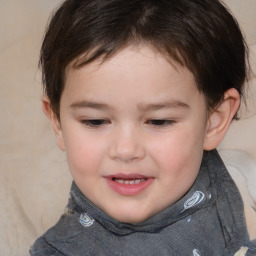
x=127, y=145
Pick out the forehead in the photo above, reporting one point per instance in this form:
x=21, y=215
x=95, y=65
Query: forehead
x=134, y=70
x=143, y=56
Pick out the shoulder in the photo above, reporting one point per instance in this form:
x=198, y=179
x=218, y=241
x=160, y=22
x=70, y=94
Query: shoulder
x=50, y=243
x=42, y=248
x=68, y=237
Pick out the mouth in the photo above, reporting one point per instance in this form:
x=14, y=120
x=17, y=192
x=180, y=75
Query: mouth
x=129, y=185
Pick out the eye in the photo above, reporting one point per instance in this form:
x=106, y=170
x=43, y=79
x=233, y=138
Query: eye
x=160, y=122
x=95, y=122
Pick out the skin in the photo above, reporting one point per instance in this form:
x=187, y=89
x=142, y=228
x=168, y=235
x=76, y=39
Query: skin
x=136, y=114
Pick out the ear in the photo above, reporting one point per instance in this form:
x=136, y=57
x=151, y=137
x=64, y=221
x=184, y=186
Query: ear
x=54, y=121
x=221, y=118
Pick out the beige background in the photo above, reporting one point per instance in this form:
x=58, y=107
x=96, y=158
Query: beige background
x=34, y=179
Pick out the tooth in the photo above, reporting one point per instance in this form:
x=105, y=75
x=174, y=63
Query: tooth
x=129, y=182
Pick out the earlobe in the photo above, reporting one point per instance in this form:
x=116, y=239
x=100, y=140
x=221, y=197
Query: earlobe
x=46, y=105
x=220, y=119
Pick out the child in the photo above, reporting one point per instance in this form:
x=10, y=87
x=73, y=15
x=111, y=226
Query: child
x=140, y=93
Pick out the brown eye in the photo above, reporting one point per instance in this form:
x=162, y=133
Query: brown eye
x=160, y=122
x=95, y=122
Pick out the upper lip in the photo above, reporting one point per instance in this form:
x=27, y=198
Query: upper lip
x=127, y=176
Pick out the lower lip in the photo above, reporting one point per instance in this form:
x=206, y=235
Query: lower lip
x=129, y=189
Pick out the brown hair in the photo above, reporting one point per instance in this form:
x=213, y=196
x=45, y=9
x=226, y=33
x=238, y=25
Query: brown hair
x=200, y=34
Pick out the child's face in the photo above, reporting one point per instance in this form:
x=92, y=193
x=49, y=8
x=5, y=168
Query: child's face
x=134, y=130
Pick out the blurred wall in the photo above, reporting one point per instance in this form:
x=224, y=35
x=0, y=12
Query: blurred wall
x=32, y=167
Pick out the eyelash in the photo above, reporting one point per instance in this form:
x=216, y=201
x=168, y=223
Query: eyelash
x=161, y=122
x=96, y=123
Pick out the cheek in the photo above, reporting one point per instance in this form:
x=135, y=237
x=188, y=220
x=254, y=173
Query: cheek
x=181, y=151
x=84, y=153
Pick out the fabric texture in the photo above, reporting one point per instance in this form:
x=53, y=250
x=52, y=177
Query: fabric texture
x=208, y=220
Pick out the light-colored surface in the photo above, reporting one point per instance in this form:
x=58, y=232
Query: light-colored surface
x=34, y=178
x=236, y=161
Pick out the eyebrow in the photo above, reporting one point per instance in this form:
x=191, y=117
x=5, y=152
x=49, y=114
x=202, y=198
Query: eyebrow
x=89, y=104
x=163, y=105
x=141, y=107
